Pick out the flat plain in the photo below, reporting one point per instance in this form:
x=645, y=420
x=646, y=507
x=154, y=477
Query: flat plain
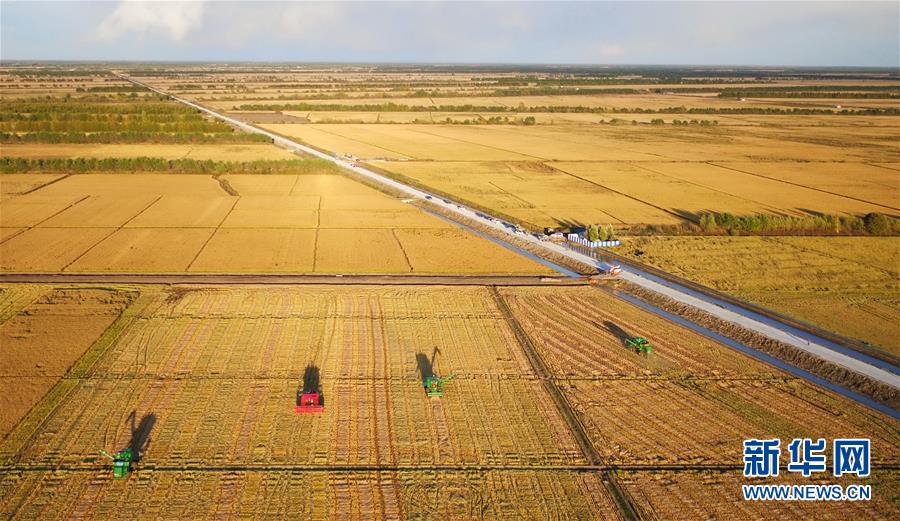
x=214, y=373
x=549, y=416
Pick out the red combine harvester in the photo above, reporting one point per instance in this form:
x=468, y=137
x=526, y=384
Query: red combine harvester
x=309, y=403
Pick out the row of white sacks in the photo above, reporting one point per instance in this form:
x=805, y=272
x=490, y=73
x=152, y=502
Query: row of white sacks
x=578, y=239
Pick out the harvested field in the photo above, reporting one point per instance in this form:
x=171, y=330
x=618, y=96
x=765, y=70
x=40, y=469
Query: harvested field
x=715, y=495
x=845, y=284
x=45, y=338
x=704, y=422
x=190, y=350
x=581, y=332
x=312, y=495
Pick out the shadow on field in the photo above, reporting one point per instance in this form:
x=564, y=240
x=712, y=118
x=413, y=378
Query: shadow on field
x=311, y=383
x=424, y=364
x=687, y=215
x=614, y=328
x=140, y=435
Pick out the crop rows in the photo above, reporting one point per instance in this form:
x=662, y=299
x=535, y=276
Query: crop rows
x=717, y=495
x=216, y=371
x=581, y=332
x=198, y=494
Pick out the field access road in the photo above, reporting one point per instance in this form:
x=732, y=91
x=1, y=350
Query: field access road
x=860, y=363
x=286, y=278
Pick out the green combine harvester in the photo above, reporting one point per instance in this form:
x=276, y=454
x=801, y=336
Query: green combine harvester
x=639, y=345
x=434, y=386
x=121, y=462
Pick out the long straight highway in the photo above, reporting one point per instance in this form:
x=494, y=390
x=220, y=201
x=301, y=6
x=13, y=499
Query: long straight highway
x=856, y=362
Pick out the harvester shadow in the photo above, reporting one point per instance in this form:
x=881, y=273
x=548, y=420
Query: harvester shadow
x=311, y=383
x=140, y=435
x=424, y=365
x=615, y=329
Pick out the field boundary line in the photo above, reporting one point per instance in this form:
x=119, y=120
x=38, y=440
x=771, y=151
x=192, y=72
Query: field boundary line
x=42, y=221
x=402, y=249
x=335, y=134
x=619, y=496
x=670, y=176
x=118, y=229
x=802, y=186
x=213, y=234
x=214, y=279
x=623, y=194
x=539, y=158
x=35, y=189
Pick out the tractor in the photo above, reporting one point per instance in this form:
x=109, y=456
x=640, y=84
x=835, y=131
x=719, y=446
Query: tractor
x=639, y=345
x=121, y=462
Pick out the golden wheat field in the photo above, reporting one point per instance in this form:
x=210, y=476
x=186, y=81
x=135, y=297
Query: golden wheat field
x=210, y=376
x=552, y=175
x=163, y=223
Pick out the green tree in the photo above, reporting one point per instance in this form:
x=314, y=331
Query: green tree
x=603, y=234
x=610, y=233
x=593, y=233
x=877, y=223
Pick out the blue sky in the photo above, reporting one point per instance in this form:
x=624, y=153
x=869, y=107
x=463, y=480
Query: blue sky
x=702, y=33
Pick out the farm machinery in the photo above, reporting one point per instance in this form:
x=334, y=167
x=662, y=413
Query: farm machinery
x=639, y=345
x=121, y=462
x=310, y=399
x=310, y=403
x=434, y=386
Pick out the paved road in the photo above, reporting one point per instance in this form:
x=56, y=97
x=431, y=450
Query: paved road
x=857, y=362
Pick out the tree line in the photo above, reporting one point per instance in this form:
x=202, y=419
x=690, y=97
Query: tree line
x=713, y=223
x=395, y=107
x=157, y=164
x=132, y=137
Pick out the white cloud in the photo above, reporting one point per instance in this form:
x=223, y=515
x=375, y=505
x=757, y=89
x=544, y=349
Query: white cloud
x=172, y=19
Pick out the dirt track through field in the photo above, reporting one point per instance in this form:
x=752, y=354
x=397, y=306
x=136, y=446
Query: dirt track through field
x=623, y=502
